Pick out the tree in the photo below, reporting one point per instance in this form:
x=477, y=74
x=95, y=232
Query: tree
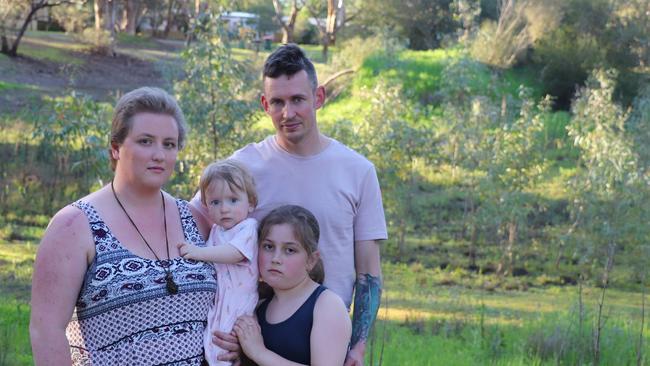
x=215, y=96
x=517, y=163
x=611, y=176
x=422, y=22
x=288, y=25
x=393, y=138
x=14, y=12
x=335, y=20
x=130, y=18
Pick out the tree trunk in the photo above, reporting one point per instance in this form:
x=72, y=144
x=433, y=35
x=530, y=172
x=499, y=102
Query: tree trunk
x=507, y=258
x=13, y=51
x=170, y=16
x=132, y=10
x=326, y=46
x=99, y=7
x=288, y=27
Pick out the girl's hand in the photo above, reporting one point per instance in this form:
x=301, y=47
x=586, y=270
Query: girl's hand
x=249, y=334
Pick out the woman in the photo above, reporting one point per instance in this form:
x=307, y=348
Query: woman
x=109, y=286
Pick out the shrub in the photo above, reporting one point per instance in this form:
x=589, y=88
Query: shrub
x=98, y=41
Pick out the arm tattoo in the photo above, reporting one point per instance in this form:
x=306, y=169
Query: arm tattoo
x=367, y=295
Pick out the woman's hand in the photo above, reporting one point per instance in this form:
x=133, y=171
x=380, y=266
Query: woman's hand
x=249, y=334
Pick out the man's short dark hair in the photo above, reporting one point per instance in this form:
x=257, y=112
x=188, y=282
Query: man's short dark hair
x=287, y=60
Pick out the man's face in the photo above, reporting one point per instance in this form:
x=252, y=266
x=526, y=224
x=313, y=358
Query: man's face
x=291, y=103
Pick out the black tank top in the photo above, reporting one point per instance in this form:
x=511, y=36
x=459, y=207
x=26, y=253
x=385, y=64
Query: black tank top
x=290, y=338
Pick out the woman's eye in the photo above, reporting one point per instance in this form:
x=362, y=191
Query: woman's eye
x=145, y=141
x=170, y=145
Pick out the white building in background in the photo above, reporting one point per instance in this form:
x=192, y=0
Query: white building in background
x=239, y=19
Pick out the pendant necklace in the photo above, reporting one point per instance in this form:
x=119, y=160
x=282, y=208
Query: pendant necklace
x=172, y=287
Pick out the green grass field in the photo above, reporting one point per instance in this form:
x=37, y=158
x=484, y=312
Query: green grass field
x=422, y=322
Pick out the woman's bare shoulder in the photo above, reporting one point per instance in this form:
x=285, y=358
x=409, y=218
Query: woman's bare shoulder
x=69, y=227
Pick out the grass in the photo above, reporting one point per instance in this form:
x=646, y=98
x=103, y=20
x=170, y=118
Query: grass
x=420, y=321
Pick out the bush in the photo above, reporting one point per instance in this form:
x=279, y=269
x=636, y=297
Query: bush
x=98, y=41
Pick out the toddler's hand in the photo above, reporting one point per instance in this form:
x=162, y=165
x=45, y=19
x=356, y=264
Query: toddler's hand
x=187, y=251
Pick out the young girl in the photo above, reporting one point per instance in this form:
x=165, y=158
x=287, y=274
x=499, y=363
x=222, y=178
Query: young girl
x=301, y=322
x=228, y=191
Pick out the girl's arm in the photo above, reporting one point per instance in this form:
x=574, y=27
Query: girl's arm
x=224, y=253
x=330, y=334
x=61, y=262
x=249, y=334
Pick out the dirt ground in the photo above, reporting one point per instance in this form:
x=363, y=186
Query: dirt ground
x=53, y=64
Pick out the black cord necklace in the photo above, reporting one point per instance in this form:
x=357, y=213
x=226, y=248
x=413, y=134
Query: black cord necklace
x=172, y=287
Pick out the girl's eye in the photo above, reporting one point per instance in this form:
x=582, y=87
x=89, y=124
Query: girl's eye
x=267, y=246
x=290, y=250
x=233, y=200
x=214, y=202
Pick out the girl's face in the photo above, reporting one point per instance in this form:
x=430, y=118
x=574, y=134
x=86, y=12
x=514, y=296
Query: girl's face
x=227, y=207
x=148, y=153
x=283, y=261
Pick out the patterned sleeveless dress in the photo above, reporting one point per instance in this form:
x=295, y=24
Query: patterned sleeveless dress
x=124, y=315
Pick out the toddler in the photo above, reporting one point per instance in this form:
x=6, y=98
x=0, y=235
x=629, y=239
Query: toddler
x=228, y=192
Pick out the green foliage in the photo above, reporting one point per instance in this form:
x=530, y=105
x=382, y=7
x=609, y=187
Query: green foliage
x=392, y=137
x=611, y=182
x=97, y=41
x=424, y=23
x=216, y=98
x=506, y=41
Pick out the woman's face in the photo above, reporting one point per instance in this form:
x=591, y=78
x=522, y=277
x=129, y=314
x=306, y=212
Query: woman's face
x=148, y=153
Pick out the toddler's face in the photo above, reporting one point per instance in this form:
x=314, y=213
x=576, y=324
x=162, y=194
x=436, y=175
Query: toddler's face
x=227, y=207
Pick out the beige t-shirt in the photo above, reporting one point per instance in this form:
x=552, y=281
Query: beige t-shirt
x=338, y=185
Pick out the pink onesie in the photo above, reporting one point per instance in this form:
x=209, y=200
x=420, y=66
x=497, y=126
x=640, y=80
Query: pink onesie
x=237, y=283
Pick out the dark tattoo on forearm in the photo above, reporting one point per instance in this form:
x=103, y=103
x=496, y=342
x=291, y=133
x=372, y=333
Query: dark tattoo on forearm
x=367, y=295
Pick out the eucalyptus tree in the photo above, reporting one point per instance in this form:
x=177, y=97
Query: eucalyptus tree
x=395, y=138
x=612, y=176
x=517, y=163
x=215, y=95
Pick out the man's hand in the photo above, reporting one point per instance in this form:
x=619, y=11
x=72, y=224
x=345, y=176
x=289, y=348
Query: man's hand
x=228, y=342
x=249, y=334
x=356, y=354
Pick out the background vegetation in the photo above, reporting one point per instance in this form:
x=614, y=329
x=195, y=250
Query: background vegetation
x=511, y=140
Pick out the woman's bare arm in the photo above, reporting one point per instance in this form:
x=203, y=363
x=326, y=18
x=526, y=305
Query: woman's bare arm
x=61, y=262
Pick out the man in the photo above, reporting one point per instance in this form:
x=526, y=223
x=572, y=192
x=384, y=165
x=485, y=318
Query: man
x=299, y=165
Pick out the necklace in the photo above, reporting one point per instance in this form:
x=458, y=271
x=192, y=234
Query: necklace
x=172, y=287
